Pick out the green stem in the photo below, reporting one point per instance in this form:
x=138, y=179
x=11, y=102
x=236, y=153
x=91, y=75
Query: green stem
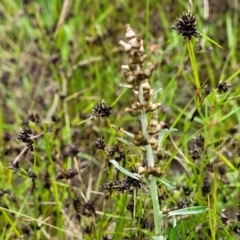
x=194, y=65
x=214, y=205
x=147, y=20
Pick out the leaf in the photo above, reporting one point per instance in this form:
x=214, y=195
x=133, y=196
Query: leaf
x=188, y=211
x=193, y=64
x=125, y=85
x=167, y=131
x=174, y=233
x=233, y=76
x=226, y=161
x=123, y=170
x=212, y=41
x=163, y=133
x=167, y=183
x=159, y=238
x=159, y=90
x=120, y=95
x=229, y=114
x=124, y=141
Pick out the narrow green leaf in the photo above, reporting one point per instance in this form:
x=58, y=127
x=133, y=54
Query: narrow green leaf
x=123, y=170
x=233, y=76
x=229, y=114
x=230, y=31
x=42, y=222
x=167, y=131
x=113, y=215
x=174, y=233
x=159, y=238
x=188, y=211
x=226, y=161
x=124, y=141
x=193, y=64
x=119, y=97
x=212, y=41
x=167, y=183
x=157, y=91
x=163, y=133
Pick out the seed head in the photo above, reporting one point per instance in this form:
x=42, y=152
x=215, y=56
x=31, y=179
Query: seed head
x=26, y=136
x=122, y=185
x=99, y=143
x=102, y=110
x=116, y=152
x=31, y=174
x=223, y=87
x=186, y=26
x=69, y=174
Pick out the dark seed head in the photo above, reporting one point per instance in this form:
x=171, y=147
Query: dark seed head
x=186, y=26
x=99, y=143
x=206, y=187
x=238, y=216
x=26, y=136
x=187, y=191
x=223, y=87
x=102, y=110
x=222, y=169
x=31, y=174
x=34, y=117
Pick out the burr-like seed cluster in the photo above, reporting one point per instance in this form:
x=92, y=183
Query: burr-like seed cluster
x=26, y=136
x=186, y=26
x=102, y=110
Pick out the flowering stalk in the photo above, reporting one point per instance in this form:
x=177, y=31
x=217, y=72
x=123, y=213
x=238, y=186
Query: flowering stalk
x=137, y=77
x=186, y=26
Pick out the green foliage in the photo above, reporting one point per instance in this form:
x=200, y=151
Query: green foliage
x=61, y=58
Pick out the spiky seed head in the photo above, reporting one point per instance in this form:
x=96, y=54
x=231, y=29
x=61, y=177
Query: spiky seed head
x=186, y=26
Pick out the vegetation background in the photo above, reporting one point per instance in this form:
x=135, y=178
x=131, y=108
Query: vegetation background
x=58, y=59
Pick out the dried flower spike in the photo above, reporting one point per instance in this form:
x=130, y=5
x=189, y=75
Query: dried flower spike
x=186, y=26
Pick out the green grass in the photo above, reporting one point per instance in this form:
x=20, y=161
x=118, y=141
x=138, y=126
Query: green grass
x=58, y=60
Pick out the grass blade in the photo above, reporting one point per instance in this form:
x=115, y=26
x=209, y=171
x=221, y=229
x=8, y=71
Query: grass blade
x=123, y=170
x=188, y=211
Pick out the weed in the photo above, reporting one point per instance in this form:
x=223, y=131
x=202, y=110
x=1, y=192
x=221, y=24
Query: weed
x=83, y=168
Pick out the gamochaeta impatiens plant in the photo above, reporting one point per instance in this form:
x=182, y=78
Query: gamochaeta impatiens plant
x=151, y=131
x=137, y=78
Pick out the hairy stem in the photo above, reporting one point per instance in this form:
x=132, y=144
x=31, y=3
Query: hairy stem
x=152, y=179
x=156, y=208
